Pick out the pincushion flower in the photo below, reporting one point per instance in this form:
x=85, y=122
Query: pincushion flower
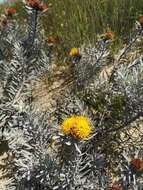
x=74, y=52
x=36, y=4
x=10, y=11
x=137, y=164
x=33, y=3
x=140, y=20
x=51, y=40
x=108, y=35
x=77, y=126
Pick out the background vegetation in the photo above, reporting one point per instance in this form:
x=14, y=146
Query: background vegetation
x=77, y=21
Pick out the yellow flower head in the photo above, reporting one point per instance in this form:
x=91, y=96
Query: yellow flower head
x=78, y=126
x=74, y=52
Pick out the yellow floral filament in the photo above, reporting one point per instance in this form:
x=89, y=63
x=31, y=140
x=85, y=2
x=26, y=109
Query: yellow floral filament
x=78, y=126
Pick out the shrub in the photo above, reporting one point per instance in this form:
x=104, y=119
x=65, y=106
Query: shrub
x=39, y=156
